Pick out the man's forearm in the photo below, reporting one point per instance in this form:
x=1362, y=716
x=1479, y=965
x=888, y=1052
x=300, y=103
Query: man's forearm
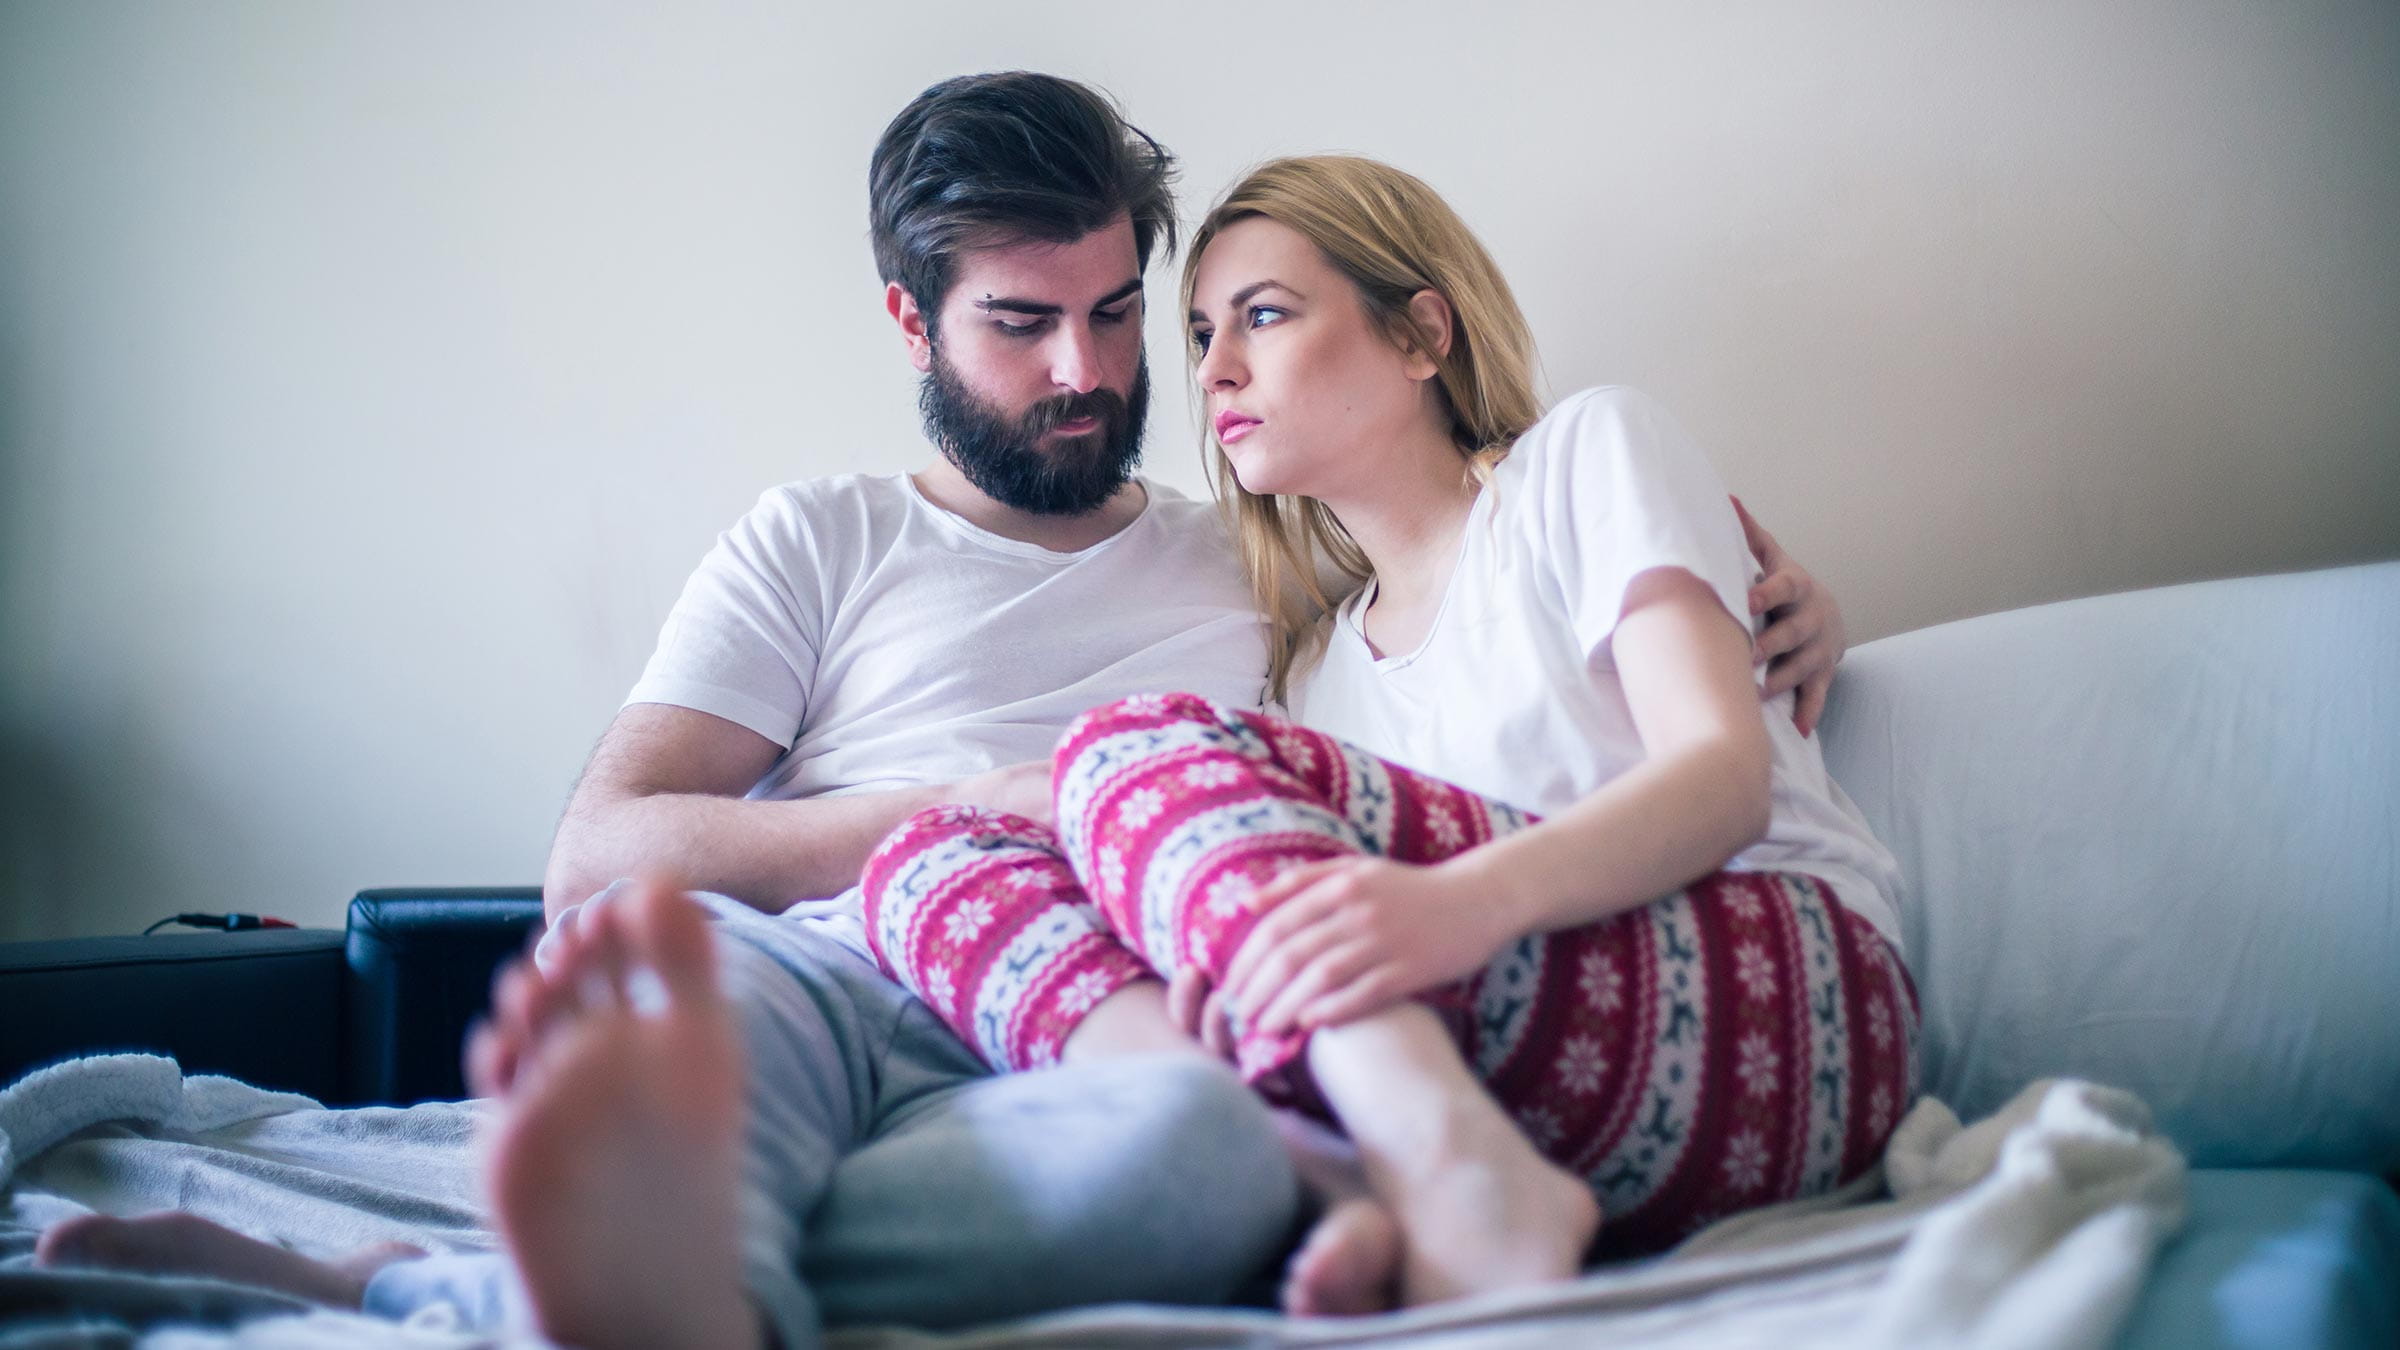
x=766, y=854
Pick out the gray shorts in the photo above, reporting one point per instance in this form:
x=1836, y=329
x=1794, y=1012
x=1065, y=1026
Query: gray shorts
x=892, y=1180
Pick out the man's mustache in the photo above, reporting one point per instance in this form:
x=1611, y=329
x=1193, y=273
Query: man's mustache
x=1106, y=405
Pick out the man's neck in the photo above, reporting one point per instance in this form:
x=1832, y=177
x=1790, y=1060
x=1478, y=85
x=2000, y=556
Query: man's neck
x=947, y=488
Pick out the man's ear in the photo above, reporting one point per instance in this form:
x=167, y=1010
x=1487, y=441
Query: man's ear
x=1433, y=319
x=902, y=306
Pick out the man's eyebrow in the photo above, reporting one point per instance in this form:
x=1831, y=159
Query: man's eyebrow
x=1126, y=291
x=1246, y=294
x=1013, y=305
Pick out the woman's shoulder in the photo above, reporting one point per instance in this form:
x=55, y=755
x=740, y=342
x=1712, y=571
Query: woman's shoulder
x=1603, y=415
x=1595, y=439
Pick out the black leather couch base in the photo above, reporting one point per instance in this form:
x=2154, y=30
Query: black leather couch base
x=264, y=1007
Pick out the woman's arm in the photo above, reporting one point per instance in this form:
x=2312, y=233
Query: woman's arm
x=1351, y=936
x=1699, y=796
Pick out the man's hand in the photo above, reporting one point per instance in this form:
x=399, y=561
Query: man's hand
x=1019, y=789
x=1804, y=638
x=1348, y=937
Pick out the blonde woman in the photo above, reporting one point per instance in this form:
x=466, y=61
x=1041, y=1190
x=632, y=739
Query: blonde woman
x=1610, y=957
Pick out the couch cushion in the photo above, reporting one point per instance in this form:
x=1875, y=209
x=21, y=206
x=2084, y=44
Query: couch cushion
x=2276, y=1258
x=2154, y=839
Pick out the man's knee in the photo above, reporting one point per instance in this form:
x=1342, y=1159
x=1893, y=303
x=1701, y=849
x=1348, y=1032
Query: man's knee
x=1205, y=1195
x=1204, y=1104
x=1217, y=1153
x=1148, y=1179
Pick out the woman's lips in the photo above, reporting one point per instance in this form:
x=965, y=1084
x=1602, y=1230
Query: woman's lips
x=1232, y=426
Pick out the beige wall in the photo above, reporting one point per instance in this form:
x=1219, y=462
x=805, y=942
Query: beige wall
x=371, y=376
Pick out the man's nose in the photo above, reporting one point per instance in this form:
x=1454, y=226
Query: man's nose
x=1075, y=359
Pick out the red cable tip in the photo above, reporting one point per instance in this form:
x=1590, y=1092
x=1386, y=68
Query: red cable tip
x=276, y=923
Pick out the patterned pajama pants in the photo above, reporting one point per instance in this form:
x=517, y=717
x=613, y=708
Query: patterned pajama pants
x=1743, y=1041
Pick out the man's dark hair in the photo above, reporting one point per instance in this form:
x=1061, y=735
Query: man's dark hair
x=1009, y=157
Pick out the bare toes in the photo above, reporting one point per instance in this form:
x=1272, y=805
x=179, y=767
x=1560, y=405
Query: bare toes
x=491, y=1061
x=81, y=1241
x=1350, y=1264
x=512, y=999
x=670, y=936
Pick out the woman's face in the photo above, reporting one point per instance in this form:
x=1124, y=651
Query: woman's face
x=1304, y=393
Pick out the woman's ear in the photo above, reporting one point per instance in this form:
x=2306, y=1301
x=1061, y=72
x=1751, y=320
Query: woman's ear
x=1431, y=315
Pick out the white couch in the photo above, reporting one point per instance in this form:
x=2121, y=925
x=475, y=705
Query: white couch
x=2153, y=839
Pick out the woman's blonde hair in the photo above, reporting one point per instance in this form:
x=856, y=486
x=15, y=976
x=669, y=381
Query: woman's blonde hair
x=1393, y=237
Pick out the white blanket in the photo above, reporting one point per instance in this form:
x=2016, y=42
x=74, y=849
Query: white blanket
x=2034, y=1227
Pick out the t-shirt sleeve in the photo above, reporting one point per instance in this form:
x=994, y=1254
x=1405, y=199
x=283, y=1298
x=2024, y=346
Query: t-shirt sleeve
x=742, y=640
x=1622, y=491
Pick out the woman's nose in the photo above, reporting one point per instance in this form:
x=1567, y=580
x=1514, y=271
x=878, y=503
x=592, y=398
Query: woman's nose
x=1220, y=367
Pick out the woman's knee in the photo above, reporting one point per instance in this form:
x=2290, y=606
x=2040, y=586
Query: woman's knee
x=1144, y=712
x=936, y=828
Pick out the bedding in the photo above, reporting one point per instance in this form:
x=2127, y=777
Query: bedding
x=2035, y=1226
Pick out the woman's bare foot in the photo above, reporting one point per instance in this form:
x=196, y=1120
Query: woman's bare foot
x=614, y=1169
x=177, y=1243
x=1349, y=1266
x=1478, y=1207
x=1484, y=1211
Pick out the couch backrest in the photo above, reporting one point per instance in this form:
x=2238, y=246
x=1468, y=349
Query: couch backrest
x=2154, y=839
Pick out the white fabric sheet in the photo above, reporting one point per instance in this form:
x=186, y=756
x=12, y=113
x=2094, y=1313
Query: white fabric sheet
x=2032, y=1228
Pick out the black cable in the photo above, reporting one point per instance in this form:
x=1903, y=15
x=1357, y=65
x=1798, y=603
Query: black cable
x=230, y=923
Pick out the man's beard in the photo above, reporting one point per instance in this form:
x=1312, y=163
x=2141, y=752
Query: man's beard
x=1004, y=456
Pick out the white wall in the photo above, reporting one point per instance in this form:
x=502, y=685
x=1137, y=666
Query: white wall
x=371, y=376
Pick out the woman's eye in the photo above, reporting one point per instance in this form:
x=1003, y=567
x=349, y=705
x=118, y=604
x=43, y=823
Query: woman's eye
x=1199, y=340
x=1262, y=315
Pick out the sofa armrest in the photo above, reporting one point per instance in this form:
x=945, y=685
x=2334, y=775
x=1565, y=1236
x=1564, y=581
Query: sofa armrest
x=420, y=972
x=265, y=1007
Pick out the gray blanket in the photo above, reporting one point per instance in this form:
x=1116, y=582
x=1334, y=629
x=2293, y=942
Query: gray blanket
x=129, y=1134
x=2034, y=1227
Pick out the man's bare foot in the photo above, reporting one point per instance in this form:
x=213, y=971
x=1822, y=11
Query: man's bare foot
x=615, y=1166
x=1485, y=1211
x=176, y=1243
x=1349, y=1266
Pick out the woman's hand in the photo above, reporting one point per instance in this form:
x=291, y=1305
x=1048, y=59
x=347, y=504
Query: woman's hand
x=1348, y=937
x=1195, y=1006
x=1804, y=637
x=1019, y=789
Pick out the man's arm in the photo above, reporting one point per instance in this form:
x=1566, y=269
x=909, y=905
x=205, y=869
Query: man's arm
x=1804, y=638
x=662, y=797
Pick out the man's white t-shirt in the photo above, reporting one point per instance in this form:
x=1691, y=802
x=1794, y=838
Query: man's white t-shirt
x=1514, y=692
x=887, y=643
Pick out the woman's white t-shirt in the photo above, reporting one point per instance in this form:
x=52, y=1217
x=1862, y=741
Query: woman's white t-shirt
x=1514, y=692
